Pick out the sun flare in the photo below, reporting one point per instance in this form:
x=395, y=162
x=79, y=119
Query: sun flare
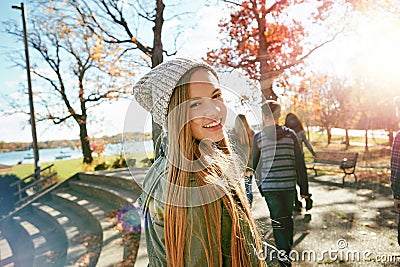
x=375, y=48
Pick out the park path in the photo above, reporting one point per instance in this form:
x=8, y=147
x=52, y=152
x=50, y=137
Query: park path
x=349, y=225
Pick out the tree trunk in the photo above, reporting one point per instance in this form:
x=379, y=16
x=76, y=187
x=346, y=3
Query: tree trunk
x=85, y=141
x=329, y=134
x=157, y=52
x=347, y=140
x=266, y=87
x=366, y=140
x=156, y=59
x=156, y=133
x=266, y=80
x=390, y=135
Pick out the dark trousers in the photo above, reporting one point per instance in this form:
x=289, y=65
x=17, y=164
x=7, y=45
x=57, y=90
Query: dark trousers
x=248, y=186
x=280, y=205
x=398, y=230
x=296, y=198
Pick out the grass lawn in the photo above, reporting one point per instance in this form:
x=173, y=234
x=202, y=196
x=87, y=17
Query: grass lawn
x=66, y=168
x=322, y=138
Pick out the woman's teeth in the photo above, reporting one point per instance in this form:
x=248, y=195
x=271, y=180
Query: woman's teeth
x=213, y=124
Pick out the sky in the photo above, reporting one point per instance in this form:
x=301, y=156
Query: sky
x=198, y=39
x=18, y=129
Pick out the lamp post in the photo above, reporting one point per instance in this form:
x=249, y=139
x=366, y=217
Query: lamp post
x=32, y=110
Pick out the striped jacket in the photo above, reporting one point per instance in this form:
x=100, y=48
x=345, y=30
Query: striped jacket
x=278, y=160
x=395, y=167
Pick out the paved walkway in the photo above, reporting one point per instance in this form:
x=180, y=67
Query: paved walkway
x=349, y=225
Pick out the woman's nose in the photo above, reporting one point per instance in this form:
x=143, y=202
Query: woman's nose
x=213, y=108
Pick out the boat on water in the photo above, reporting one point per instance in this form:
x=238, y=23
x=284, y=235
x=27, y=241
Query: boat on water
x=63, y=155
x=29, y=156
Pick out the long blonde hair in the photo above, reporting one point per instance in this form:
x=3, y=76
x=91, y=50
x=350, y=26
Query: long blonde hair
x=181, y=146
x=242, y=128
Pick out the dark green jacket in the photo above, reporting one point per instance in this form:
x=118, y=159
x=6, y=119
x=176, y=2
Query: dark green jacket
x=153, y=203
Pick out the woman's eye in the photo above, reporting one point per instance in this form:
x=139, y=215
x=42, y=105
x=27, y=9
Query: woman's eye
x=195, y=104
x=217, y=96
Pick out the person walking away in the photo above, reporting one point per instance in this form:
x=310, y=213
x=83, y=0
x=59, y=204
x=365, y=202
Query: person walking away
x=279, y=163
x=395, y=167
x=242, y=138
x=196, y=212
x=294, y=123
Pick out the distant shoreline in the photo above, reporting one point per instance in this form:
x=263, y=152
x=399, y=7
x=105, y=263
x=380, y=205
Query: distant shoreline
x=61, y=153
x=73, y=143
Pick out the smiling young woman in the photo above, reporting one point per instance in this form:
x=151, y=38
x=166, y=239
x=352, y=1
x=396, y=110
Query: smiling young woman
x=196, y=209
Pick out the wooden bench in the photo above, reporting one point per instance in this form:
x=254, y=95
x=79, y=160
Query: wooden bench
x=346, y=161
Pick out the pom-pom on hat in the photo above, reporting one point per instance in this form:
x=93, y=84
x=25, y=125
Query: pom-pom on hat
x=153, y=91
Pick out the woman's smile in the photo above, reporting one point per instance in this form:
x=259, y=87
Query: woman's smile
x=214, y=125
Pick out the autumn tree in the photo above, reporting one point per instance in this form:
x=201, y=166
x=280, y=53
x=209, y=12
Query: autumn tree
x=75, y=68
x=327, y=106
x=346, y=95
x=310, y=96
x=317, y=98
x=265, y=38
x=128, y=25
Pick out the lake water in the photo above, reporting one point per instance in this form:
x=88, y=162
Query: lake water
x=49, y=155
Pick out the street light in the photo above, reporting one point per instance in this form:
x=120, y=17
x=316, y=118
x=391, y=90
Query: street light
x=32, y=110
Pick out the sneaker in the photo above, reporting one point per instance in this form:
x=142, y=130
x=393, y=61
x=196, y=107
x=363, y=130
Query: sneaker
x=309, y=203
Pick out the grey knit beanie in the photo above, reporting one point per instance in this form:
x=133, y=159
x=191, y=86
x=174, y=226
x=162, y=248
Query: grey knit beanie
x=153, y=91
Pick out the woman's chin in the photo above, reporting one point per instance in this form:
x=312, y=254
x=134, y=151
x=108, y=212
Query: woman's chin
x=218, y=138
x=212, y=139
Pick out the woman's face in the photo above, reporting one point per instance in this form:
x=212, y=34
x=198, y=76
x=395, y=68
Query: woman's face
x=207, y=111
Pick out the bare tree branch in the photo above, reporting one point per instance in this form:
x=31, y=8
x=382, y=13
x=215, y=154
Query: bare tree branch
x=233, y=3
x=178, y=15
